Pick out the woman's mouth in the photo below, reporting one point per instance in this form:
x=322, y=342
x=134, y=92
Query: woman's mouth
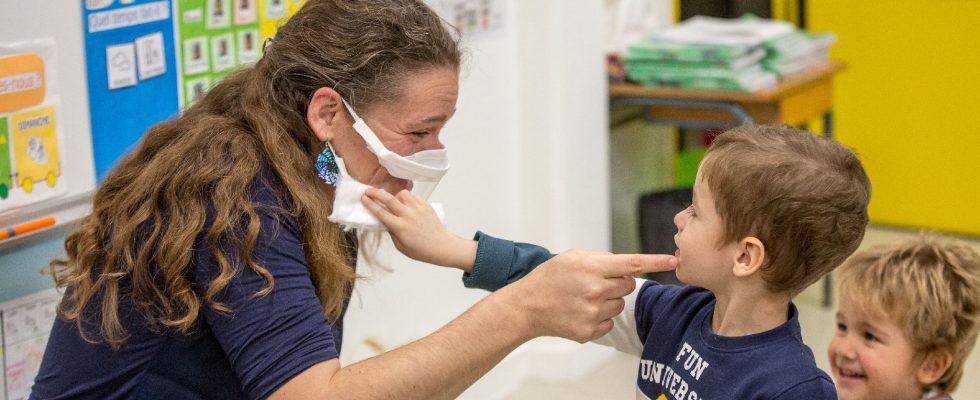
x=396, y=185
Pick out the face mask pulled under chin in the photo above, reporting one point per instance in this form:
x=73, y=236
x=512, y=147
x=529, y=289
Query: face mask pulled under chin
x=350, y=213
x=424, y=169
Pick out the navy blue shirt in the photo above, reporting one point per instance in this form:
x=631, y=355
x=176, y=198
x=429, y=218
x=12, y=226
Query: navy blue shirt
x=683, y=359
x=249, y=353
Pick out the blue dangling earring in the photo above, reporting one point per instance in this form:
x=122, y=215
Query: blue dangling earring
x=326, y=166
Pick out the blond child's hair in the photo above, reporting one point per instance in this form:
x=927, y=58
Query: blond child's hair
x=928, y=285
x=804, y=196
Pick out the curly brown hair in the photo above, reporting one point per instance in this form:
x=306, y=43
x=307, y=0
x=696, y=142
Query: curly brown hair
x=137, y=244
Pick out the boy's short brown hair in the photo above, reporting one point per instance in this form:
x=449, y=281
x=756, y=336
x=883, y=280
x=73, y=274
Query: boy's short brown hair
x=804, y=196
x=930, y=287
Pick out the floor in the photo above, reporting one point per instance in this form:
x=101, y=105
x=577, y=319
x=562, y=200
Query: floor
x=615, y=379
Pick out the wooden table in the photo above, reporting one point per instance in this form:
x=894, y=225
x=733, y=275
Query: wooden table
x=798, y=98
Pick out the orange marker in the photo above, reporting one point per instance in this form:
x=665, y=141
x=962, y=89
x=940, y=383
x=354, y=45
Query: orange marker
x=26, y=227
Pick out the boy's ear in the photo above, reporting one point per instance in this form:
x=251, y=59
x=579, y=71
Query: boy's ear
x=325, y=113
x=749, y=257
x=933, y=366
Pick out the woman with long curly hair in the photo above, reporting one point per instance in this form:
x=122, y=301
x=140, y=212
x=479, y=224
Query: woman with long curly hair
x=210, y=268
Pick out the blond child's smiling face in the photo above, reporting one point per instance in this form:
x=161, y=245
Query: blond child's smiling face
x=871, y=358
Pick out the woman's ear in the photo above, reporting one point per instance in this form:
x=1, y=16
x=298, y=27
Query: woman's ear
x=325, y=113
x=749, y=257
x=933, y=366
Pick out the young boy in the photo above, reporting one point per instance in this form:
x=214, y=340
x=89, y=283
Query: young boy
x=907, y=319
x=774, y=209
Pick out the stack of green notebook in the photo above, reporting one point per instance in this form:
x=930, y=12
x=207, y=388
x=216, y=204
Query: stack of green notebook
x=698, y=66
x=796, y=51
x=744, y=54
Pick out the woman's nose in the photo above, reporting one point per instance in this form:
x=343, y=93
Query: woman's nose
x=432, y=142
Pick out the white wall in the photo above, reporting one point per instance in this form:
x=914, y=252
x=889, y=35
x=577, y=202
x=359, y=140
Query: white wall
x=529, y=151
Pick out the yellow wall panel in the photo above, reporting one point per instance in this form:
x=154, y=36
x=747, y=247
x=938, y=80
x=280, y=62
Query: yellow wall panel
x=909, y=104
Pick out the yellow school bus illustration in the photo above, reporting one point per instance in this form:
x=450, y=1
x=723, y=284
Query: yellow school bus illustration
x=35, y=145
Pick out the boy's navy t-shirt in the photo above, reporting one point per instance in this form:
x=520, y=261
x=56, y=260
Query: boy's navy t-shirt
x=249, y=353
x=680, y=357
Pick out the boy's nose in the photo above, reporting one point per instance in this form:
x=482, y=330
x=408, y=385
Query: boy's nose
x=845, y=350
x=679, y=220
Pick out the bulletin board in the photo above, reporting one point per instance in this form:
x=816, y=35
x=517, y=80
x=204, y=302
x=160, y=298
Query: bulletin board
x=147, y=59
x=46, y=165
x=130, y=65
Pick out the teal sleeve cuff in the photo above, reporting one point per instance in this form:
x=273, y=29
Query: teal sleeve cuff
x=491, y=269
x=501, y=262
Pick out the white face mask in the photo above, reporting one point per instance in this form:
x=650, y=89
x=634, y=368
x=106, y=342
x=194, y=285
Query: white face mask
x=424, y=168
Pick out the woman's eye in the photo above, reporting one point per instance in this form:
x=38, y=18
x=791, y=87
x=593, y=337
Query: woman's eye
x=841, y=327
x=419, y=133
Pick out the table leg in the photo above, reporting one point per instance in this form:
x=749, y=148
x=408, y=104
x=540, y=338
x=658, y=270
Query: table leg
x=828, y=124
x=828, y=280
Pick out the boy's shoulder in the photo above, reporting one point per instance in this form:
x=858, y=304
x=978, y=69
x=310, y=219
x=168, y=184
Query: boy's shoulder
x=674, y=325
x=655, y=300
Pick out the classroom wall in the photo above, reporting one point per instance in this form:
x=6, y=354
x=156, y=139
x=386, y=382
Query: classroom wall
x=21, y=266
x=908, y=103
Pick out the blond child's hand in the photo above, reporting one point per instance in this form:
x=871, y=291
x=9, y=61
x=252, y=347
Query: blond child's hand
x=416, y=231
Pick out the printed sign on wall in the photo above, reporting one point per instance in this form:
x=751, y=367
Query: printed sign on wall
x=30, y=141
x=472, y=18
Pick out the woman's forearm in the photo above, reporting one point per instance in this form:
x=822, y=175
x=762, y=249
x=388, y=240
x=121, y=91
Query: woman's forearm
x=445, y=363
x=439, y=366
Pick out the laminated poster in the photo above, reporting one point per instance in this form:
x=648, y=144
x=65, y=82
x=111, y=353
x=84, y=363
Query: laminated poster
x=219, y=36
x=25, y=324
x=472, y=18
x=30, y=133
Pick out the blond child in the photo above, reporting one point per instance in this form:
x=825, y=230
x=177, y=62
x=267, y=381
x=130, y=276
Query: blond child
x=908, y=317
x=774, y=209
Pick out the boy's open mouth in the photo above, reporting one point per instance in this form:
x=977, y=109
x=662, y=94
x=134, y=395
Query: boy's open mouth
x=849, y=373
